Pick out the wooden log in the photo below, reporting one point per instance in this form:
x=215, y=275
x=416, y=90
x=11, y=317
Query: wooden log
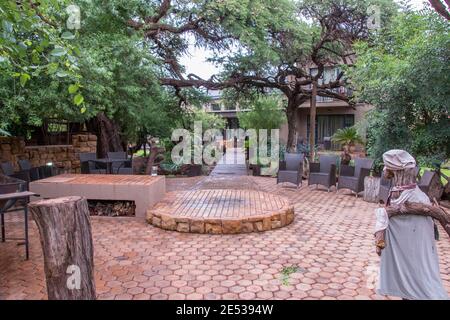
x=435, y=212
x=371, y=189
x=66, y=239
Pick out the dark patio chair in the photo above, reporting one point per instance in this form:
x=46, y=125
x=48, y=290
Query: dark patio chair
x=353, y=177
x=324, y=172
x=425, y=181
x=8, y=170
x=25, y=165
x=47, y=171
x=291, y=169
x=385, y=187
x=90, y=167
x=121, y=167
x=8, y=186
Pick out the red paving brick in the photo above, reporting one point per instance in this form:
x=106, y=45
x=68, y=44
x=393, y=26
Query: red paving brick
x=330, y=241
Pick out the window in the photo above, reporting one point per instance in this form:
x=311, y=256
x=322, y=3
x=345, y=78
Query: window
x=329, y=74
x=215, y=107
x=230, y=107
x=327, y=125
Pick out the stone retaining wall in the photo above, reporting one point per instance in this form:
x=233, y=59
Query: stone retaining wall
x=167, y=221
x=65, y=157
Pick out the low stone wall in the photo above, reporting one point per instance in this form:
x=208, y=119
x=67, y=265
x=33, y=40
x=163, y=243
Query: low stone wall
x=260, y=223
x=221, y=211
x=65, y=157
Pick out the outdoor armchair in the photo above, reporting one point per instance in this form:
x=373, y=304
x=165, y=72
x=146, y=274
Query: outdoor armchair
x=25, y=165
x=88, y=166
x=291, y=169
x=425, y=181
x=353, y=177
x=323, y=172
x=8, y=170
x=121, y=168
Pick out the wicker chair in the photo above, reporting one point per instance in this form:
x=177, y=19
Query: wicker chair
x=425, y=181
x=291, y=169
x=353, y=177
x=8, y=170
x=8, y=185
x=118, y=167
x=324, y=172
x=385, y=187
x=25, y=165
x=88, y=166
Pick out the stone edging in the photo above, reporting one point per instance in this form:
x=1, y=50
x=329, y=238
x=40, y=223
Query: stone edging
x=161, y=218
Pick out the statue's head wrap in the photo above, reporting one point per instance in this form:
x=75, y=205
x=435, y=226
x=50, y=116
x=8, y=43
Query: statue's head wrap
x=398, y=160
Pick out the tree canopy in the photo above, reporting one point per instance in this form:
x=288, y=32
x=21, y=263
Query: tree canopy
x=122, y=65
x=405, y=75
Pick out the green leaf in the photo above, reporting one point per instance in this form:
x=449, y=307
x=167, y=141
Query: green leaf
x=62, y=74
x=83, y=110
x=24, y=77
x=73, y=88
x=7, y=26
x=67, y=35
x=4, y=133
x=58, y=52
x=52, y=68
x=78, y=99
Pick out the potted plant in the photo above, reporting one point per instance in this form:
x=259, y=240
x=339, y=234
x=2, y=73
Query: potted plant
x=348, y=138
x=256, y=168
x=195, y=169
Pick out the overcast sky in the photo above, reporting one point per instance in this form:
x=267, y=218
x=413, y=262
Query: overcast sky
x=196, y=63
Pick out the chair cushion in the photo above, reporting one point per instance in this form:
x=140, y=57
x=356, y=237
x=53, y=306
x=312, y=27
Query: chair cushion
x=324, y=174
x=326, y=162
x=293, y=161
x=348, y=178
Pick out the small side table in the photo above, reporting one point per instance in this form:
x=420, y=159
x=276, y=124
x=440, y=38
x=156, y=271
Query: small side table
x=8, y=201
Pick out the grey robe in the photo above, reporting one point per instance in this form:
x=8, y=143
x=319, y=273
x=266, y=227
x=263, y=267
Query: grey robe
x=410, y=264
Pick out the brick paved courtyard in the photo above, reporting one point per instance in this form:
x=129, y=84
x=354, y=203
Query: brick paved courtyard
x=330, y=241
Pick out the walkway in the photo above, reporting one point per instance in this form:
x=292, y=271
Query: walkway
x=232, y=163
x=230, y=171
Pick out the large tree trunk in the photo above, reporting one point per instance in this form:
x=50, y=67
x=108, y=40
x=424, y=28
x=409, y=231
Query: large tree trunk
x=66, y=239
x=155, y=151
x=291, y=114
x=441, y=8
x=312, y=122
x=108, y=135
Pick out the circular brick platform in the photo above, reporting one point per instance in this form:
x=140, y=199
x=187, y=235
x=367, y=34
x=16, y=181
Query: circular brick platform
x=221, y=211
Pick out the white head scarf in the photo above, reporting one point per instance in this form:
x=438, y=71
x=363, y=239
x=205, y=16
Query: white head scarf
x=398, y=160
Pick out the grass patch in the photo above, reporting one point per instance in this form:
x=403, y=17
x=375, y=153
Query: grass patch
x=286, y=273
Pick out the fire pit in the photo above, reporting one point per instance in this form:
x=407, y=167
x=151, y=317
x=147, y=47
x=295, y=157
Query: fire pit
x=112, y=208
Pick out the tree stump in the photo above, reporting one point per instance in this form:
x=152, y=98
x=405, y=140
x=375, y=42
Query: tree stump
x=66, y=239
x=371, y=189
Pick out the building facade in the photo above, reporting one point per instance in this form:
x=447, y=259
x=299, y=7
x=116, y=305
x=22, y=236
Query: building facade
x=331, y=114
